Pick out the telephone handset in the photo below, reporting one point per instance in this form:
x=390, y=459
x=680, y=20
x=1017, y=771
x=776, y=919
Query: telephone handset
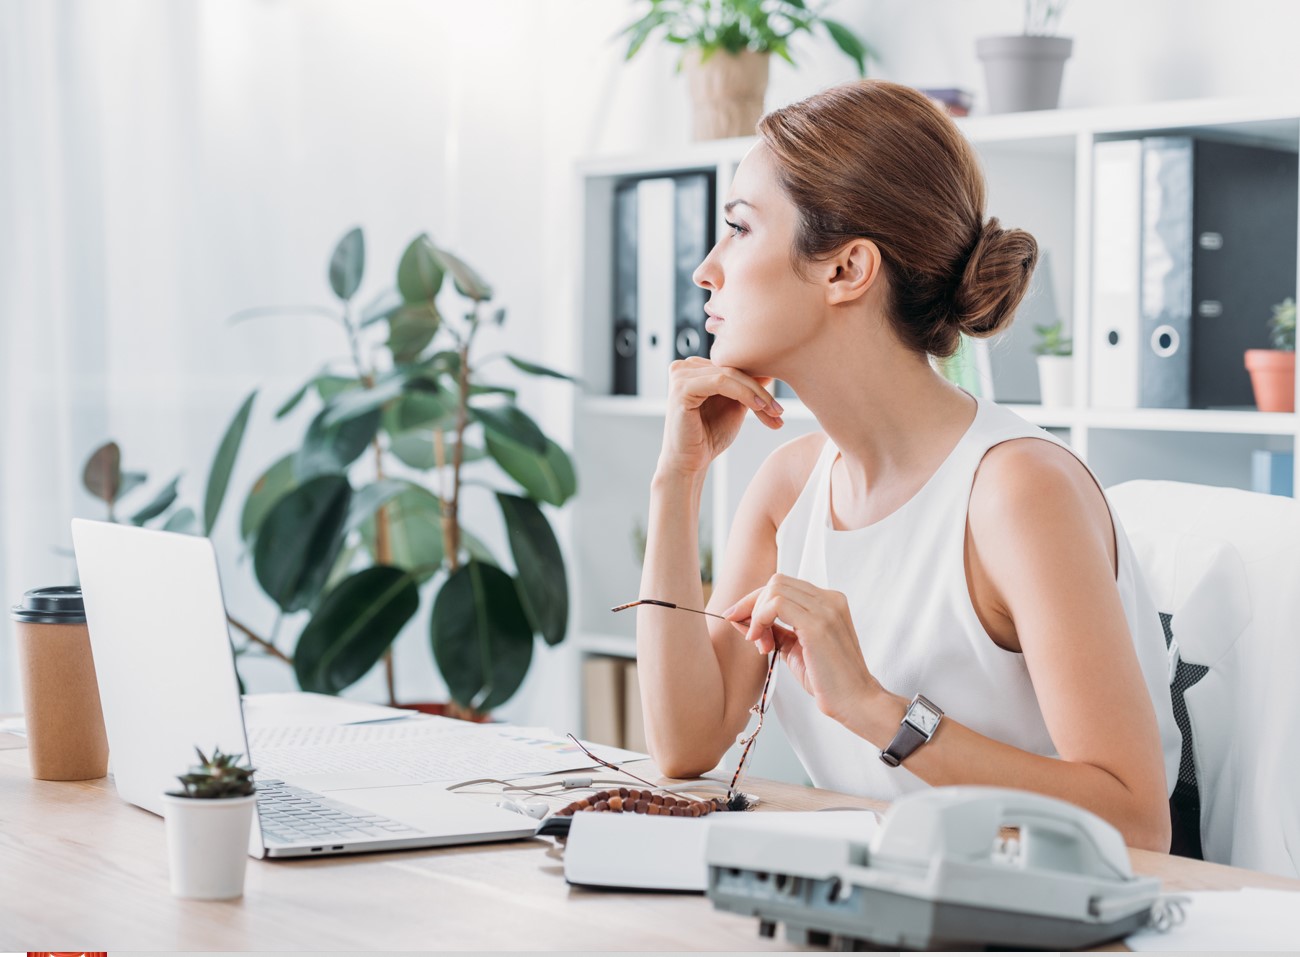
x=941, y=873
x=964, y=824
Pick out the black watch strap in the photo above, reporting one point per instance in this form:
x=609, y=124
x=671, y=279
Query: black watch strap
x=907, y=740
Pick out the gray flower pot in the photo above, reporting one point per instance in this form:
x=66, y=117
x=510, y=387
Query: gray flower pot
x=1023, y=72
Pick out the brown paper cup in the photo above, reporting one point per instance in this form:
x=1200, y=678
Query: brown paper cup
x=65, y=725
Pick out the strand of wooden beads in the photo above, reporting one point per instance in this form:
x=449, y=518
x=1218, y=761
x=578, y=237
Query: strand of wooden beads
x=634, y=801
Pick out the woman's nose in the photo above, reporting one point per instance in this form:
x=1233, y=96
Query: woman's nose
x=706, y=273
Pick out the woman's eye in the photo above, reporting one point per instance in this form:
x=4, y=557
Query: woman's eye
x=736, y=228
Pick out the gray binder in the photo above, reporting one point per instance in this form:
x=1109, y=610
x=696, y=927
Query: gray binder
x=1193, y=240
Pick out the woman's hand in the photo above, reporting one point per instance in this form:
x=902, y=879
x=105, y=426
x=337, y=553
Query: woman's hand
x=706, y=406
x=820, y=646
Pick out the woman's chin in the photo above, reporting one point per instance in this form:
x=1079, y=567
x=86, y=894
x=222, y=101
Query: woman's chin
x=754, y=366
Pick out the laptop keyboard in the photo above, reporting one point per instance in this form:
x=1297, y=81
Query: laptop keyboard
x=294, y=815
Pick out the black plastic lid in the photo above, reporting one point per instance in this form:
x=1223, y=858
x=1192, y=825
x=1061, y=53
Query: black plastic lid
x=57, y=605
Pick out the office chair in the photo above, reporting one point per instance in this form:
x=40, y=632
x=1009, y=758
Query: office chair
x=1223, y=566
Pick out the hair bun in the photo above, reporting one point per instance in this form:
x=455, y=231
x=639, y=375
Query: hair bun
x=994, y=280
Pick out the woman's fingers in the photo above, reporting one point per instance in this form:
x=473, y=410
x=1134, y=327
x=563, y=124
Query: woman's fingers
x=700, y=379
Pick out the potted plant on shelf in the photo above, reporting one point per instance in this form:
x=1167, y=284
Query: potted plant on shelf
x=208, y=822
x=1055, y=354
x=726, y=49
x=1024, y=71
x=1272, y=371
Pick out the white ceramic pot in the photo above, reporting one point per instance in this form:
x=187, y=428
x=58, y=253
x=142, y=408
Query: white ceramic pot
x=1023, y=72
x=1056, y=380
x=207, y=845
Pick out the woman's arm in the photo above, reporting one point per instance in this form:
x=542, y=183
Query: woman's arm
x=1042, y=535
x=694, y=677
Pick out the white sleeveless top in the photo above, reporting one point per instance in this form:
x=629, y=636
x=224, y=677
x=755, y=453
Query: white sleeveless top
x=905, y=580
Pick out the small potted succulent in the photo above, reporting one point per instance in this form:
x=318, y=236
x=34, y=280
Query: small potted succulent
x=1272, y=371
x=208, y=823
x=726, y=47
x=1055, y=354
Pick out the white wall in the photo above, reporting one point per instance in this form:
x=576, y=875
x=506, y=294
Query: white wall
x=164, y=163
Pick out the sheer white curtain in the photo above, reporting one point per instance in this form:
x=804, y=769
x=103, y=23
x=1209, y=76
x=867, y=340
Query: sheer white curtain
x=165, y=163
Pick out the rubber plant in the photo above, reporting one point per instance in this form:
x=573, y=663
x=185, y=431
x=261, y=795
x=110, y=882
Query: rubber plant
x=364, y=513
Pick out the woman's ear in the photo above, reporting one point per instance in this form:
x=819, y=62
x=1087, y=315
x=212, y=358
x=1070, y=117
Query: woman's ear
x=852, y=271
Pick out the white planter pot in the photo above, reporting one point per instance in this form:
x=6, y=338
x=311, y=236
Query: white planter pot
x=207, y=845
x=1056, y=380
x=1023, y=72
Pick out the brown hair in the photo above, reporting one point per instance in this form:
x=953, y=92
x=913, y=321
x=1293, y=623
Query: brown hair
x=877, y=160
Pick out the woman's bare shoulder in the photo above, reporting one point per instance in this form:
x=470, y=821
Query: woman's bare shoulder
x=786, y=472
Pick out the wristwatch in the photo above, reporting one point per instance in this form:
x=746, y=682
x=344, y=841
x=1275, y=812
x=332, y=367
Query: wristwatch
x=917, y=727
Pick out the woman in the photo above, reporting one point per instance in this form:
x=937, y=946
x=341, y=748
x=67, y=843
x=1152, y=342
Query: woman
x=926, y=542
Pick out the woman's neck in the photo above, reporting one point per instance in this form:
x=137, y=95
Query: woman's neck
x=893, y=418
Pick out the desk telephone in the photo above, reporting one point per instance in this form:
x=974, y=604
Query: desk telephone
x=938, y=874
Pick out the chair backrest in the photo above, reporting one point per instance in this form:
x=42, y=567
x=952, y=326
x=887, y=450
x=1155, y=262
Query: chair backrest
x=1223, y=566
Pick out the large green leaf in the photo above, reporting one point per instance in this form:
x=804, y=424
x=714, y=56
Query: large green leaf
x=327, y=450
x=416, y=449
x=468, y=282
x=328, y=386
x=353, y=627
x=548, y=477
x=410, y=329
x=182, y=520
x=543, y=585
x=414, y=532
x=849, y=44
x=299, y=540
x=347, y=264
x=102, y=475
x=273, y=484
x=370, y=497
x=356, y=402
x=481, y=637
x=508, y=421
x=159, y=504
x=224, y=464
x=534, y=369
x=420, y=271
x=426, y=407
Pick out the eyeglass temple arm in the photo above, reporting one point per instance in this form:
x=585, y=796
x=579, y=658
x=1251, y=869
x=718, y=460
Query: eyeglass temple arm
x=668, y=604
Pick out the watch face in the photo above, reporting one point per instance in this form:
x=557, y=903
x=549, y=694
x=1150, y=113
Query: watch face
x=922, y=718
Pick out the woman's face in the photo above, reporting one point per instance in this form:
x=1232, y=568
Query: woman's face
x=760, y=309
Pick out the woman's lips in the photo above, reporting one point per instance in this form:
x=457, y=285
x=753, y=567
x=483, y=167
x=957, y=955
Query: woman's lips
x=712, y=323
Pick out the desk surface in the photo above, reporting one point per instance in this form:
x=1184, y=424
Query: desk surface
x=84, y=870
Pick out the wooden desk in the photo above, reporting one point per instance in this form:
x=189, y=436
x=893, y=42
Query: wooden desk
x=82, y=870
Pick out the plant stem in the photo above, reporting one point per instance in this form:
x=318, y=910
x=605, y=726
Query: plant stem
x=261, y=642
x=384, y=556
x=451, y=521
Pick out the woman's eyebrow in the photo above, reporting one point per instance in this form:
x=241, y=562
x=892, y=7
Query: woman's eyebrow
x=732, y=204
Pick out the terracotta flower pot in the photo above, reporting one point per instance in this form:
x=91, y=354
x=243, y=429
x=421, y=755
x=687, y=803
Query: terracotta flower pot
x=1272, y=374
x=726, y=93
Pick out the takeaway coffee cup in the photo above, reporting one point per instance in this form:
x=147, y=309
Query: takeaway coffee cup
x=65, y=726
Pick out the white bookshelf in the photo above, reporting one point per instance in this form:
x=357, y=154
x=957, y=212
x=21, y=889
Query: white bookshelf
x=1039, y=171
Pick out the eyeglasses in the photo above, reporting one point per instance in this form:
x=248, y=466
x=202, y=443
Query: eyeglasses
x=745, y=740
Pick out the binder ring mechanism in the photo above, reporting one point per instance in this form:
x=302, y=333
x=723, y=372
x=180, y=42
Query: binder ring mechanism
x=1165, y=341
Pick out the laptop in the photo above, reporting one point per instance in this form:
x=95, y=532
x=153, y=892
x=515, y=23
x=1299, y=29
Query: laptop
x=167, y=683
